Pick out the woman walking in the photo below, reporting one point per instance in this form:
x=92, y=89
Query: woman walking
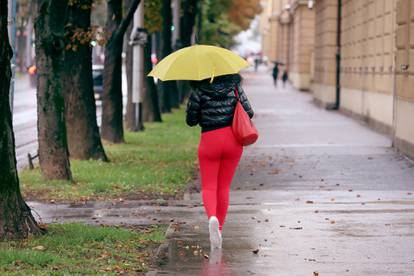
x=212, y=105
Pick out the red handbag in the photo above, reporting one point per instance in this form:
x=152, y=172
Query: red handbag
x=243, y=128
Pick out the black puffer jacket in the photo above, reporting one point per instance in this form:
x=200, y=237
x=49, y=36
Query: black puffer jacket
x=212, y=105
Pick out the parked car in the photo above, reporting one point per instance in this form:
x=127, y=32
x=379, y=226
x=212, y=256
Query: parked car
x=97, y=75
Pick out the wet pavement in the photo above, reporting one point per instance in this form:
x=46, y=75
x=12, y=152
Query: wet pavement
x=319, y=194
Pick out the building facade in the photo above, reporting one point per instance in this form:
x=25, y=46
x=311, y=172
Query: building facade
x=403, y=122
x=360, y=60
x=302, y=37
x=373, y=80
x=288, y=38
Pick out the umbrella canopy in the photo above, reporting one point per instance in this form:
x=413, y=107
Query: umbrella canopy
x=198, y=62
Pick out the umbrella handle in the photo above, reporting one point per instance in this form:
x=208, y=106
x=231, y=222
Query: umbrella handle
x=213, y=74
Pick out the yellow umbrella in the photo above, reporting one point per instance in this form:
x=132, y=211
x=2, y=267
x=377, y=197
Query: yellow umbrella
x=198, y=62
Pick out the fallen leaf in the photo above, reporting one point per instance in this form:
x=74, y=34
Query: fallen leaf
x=43, y=226
x=256, y=251
x=39, y=248
x=275, y=171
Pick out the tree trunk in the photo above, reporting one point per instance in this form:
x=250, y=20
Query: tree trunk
x=50, y=46
x=82, y=128
x=16, y=220
x=112, y=118
x=169, y=88
x=188, y=20
x=151, y=109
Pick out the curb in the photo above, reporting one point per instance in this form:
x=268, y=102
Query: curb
x=162, y=252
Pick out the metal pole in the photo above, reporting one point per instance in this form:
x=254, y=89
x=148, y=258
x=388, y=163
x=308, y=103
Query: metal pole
x=12, y=36
x=176, y=23
x=138, y=68
x=338, y=56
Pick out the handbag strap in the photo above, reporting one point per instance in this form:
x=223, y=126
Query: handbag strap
x=236, y=92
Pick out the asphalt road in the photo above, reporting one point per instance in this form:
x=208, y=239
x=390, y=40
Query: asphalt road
x=25, y=119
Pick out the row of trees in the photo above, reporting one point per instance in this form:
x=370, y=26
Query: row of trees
x=67, y=123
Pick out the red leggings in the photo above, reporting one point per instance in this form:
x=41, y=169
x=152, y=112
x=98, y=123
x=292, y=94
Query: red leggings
x=219, y=154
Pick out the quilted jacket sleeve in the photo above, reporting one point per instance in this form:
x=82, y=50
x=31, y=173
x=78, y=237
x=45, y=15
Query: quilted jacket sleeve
x=245, y=102
x=193, y=108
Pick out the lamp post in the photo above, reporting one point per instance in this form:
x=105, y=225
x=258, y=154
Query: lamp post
x=176, y=23
x=138, y=39
x=12, y=35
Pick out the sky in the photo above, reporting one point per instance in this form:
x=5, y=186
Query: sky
x=248, y=41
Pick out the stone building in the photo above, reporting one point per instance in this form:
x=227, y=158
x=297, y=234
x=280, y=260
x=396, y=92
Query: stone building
x=270, y=27
x=403, y=121
x=288, y=37
x=301, y=46
x=358, y=60
x=372, y=79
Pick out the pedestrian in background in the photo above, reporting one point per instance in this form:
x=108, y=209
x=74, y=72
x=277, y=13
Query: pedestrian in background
x=212, y=106
x=285, y=77
x=275, y=73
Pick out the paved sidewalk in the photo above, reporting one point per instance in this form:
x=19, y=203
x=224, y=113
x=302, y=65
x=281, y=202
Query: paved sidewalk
x=319, y=194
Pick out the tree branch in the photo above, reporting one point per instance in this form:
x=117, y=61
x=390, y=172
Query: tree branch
x=127, y=20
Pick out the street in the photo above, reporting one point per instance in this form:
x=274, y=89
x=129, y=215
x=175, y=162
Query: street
x=319, y=194
x=25, y=118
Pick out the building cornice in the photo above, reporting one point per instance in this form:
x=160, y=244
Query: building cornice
x=285, y=17
x=296, y=3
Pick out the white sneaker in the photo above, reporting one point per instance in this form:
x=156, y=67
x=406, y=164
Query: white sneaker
x=213, y=228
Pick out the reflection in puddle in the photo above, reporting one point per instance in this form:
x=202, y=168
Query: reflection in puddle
x=215, y=265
